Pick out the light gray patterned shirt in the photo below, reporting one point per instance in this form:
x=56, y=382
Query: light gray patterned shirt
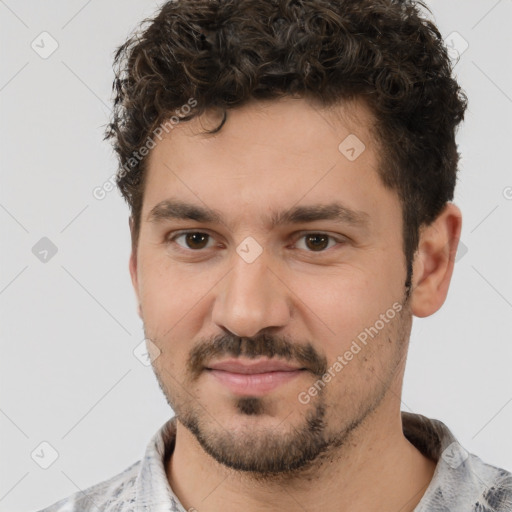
x=462, y=482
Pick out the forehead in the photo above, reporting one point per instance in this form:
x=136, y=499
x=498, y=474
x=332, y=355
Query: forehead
x=269, y=154
x=300, y=123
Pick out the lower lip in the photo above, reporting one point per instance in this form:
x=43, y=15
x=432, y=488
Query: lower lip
x=256, y=384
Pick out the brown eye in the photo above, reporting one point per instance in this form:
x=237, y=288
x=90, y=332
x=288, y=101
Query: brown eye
x=196, y=240
x=317, y=241
x=193, y=240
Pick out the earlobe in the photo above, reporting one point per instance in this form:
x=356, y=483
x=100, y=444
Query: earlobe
x=434, y=261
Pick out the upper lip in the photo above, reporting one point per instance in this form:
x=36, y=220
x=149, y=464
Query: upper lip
x=251, y=367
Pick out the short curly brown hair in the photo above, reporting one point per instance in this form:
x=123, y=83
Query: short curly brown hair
x=223, y=53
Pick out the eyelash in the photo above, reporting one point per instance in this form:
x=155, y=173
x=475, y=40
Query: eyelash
x=174, y=237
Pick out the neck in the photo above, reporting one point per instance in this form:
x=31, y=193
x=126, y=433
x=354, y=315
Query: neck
x=376, y=469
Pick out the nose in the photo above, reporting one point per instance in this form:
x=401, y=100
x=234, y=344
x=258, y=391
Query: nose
x=251, y=298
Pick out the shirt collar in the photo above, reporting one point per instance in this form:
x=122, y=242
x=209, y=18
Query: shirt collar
x=153, y=490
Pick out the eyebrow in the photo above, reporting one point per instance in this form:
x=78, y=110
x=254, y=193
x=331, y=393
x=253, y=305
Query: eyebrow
x=170, y=209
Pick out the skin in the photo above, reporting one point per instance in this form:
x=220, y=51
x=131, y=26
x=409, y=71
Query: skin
x=271, y=156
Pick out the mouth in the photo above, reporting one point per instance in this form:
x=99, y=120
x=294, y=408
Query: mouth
x=250, y=367
x=253, y=377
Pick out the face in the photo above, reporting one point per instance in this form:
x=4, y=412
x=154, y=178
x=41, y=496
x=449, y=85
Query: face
x=270, y=275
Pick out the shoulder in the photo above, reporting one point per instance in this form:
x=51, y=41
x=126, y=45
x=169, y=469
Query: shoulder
x=493, y=486
x=113, y=495
x=463, y=481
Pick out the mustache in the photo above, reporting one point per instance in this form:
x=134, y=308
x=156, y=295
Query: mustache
x=263, y=345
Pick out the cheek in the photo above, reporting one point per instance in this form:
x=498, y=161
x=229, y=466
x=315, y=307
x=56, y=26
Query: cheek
x=336, y=303
x=350, y=305
x=174, y=303
x=166, y=290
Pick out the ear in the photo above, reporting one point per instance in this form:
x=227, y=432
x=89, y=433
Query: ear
x=133, y=265
x=434, y=261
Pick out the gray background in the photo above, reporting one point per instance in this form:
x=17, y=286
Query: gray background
x=69, y=325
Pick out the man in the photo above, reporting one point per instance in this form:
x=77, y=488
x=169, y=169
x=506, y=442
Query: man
x=289, y=166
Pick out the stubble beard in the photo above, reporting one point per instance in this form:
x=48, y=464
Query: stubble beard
x=284, y=453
